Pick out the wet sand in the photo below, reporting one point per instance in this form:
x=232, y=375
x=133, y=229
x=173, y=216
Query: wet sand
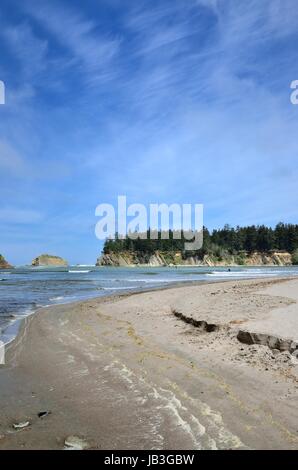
x=157, y=370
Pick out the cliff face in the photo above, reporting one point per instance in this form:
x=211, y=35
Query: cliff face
x=131, y=259
x=175, y=259
x=276, y=259
x=49, y=260
x=3, y=263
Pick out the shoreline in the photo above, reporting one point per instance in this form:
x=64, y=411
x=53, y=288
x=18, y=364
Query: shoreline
x=97, y=354
x=10, y=331
x=16, y=323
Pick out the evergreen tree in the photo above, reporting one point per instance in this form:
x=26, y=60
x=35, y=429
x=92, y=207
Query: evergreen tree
x=220, y=241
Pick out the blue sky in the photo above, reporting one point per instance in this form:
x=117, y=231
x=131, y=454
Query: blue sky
x=184, y=101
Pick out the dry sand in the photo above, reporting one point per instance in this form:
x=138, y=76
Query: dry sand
x=157, y=370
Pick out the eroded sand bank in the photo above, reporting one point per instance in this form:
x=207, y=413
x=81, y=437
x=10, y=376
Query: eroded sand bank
x=147, y=371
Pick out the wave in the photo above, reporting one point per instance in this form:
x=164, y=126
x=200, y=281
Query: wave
x=10, y=330
x=79, y=271
x=146, y=281
x=116, y=288
x=241, y=274
x=82, y=266
x=141, y=282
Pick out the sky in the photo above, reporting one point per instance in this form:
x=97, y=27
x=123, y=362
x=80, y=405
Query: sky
x=164, y=101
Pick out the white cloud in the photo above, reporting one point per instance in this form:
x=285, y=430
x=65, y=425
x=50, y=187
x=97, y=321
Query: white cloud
x=93, y=51
x=189, y=117
x=25, y=46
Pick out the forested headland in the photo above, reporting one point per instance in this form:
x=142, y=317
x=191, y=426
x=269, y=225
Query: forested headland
x=218, y=242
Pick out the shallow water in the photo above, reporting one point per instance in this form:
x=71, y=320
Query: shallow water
x=24, y=289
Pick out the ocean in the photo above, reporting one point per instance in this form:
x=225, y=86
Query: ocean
x=24, y=289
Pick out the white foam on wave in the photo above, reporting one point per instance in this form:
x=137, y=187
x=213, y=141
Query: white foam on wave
x=10, y=331
x=241, y=274
x=83, y=265
x=186, y=421
x=117, y=288
x=152, y=281
x=77, y=271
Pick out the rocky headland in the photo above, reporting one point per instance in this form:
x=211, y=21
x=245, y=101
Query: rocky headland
x=49, y=260
x=3, y=263
x=159, y=258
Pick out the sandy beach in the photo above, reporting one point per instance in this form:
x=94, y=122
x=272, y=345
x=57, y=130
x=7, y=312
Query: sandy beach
x=163, y=369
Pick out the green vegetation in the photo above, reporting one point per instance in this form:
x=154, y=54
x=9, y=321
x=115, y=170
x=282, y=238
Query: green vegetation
x=220, y=243
x=49, y=260
x=295, y=257
x=3, y=263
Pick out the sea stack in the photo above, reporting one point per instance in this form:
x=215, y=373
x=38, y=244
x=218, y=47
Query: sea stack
x=49, y=260
x=3, y=263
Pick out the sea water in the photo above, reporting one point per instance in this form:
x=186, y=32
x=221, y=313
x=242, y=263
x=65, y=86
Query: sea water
x=24, y=289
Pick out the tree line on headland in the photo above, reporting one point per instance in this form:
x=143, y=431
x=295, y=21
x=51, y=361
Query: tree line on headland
x=219, y=242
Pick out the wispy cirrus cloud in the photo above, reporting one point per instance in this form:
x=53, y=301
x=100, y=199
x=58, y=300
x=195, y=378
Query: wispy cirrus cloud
x=24, y=44
x=189, y=103
x=208, y=103
x=88, y=48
